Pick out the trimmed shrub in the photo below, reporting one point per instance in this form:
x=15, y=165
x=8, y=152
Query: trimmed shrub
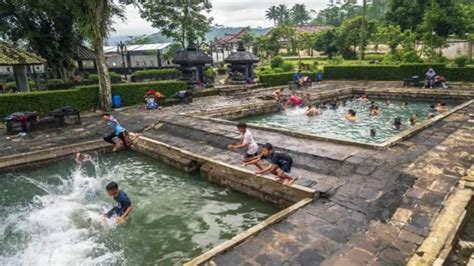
x=279, y=79
x=394, y=72
x=278, y=70
x=155, y=74
x=287, y=67
x=277, y=61
x=362, y=72
x=84, y=98
x=461, y=61
x=114, y=77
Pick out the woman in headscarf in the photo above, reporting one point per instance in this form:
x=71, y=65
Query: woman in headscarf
x=430, y=78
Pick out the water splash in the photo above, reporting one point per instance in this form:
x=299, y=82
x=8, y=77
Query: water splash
x=61, y=227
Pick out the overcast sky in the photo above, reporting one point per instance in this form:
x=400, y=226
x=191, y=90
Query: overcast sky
x=235, y=13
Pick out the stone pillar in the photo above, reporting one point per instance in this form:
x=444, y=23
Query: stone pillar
x=21, y=78
x=158, y=58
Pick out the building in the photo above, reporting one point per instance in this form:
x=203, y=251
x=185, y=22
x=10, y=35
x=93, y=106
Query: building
x=224, y=46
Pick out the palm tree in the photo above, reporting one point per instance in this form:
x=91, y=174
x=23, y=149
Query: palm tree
x=272, y=14
x=283, y=14
x=94, y=21
x=299, y=14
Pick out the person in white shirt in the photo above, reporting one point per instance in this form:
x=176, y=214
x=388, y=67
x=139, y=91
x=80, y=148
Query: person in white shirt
x=246, y=140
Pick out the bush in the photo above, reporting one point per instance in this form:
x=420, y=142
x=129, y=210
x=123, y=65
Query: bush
x=114, y=77
x=279, y=79
x=277, y=61
x=410, y=57
x=396, y=72
x=278, y=70
x=461, y=61
x=209, y=72
x=12, y=85
x=287, y=67
x=155, y=74
x=84, y=98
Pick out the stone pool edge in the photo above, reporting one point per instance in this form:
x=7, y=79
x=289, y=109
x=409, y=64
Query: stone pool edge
x=266, y=188
x=36, y=158
x=243, y=236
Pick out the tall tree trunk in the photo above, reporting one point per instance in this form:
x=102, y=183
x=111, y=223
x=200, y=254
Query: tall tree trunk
x=105, y=86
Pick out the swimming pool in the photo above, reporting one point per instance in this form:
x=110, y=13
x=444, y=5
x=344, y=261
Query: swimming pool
x=332, y=124
x=52, y=215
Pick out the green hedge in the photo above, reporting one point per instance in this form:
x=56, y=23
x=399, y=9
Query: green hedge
x=279, y=79
x=114, y=77
x=84, y=98
x=396, y=72
x=155, y=74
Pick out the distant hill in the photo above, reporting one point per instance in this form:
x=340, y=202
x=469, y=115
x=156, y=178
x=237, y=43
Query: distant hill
x=214, y=32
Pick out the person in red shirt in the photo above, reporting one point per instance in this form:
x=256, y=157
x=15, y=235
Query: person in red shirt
x=294, y=101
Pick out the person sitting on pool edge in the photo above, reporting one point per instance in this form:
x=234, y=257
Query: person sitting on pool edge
x=124, y=205
x=351, y=115
x=278, y=94
x=246, y=140
x=294, y=101
x=280, y=164
x=312, y=110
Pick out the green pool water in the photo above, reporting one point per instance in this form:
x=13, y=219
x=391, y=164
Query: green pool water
x=52, y=215
x=332, y=124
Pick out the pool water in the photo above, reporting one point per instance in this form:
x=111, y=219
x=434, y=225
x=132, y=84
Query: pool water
x=52, y=215
x=332, y=124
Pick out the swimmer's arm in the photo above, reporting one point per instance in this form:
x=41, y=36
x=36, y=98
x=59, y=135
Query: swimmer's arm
x=125, y=215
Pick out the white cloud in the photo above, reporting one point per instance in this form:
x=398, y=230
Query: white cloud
x=233, y=13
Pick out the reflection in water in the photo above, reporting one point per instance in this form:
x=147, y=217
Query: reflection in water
x=53, y=214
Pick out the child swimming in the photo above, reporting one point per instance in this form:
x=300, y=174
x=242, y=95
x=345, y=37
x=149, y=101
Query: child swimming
x=351, y=115
x=375, y=111
x=413, y=119
x=312, y=110
x=397, y=123
x=81, y=158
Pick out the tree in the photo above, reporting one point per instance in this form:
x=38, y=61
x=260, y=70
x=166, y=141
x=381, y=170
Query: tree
x=408, y=14
x=283, y=14
x=183, y=20
x=349, y=36
x=247, y=39
x=272, y=14
x=390, y=35
x=45, y=27
x=299, y=14
x=94, y=20
x=326, y=42
x=144, y=39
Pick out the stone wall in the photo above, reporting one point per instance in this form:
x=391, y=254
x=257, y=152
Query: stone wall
x=262, y=187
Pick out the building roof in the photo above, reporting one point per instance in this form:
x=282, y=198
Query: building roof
x=192, y=56
x=83, y=53
x=242, y=56
x=10, y=56
x=139, y=47
x=310, y=28
x=231, y=37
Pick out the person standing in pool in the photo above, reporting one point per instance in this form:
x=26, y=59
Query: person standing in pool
x=124, y=205
x=280, y=164
x=246, y=140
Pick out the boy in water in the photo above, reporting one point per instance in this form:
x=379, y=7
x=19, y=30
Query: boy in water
x=124, y=205
x=82, y=158
x=397, y=123
x=280, y=164
x=246, y=140
x=351, y=115
x=312, y=110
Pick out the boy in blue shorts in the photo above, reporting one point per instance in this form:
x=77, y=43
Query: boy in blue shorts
x=280, y=164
